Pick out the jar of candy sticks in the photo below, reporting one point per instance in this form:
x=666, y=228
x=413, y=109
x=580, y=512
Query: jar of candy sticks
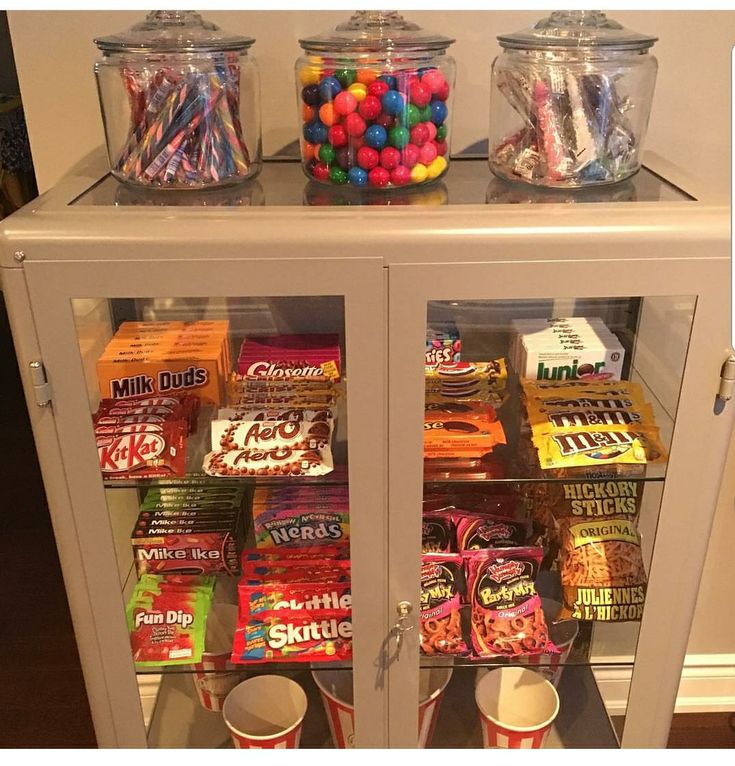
x=570, y=100
x=375, y=103
x=180, y=103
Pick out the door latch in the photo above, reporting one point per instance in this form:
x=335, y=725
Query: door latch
x=727, y=379
x=39, y=381
x=403, y=623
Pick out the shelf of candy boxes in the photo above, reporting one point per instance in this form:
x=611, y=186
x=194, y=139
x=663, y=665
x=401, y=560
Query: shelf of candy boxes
x=214, y=592
x=485, y=423
x=584, y=445
x=283, y=401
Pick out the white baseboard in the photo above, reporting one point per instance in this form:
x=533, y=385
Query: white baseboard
x=707, y=685
x=148, y=686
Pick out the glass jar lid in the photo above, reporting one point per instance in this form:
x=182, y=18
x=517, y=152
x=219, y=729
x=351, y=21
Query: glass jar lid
x=173, y=32
x=376, y=32
x=577, y=29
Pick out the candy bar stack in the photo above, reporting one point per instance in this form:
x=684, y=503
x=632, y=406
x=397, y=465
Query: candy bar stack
x=189, y=530
x=462, y=432
x=144, y=437
x=281, y=414
x=146, y=359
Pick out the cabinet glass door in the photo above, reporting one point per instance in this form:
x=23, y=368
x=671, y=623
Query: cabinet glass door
x=533, y=490
x=222, y=432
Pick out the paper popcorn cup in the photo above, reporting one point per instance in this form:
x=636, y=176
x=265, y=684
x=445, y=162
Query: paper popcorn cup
x=563, y=634
x=265, y=712
x=517, y=707
x=215, y=676
x=336, y=691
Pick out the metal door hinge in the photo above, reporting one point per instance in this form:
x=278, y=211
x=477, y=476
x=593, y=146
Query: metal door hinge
x=39, y=381
x=727, y=379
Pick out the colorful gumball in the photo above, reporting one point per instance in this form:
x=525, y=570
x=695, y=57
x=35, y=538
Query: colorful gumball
x=358, y=90
x=389, y=80
x=410, y=155
x=370, y=107
x=309, y=75
x=307, y=113
x=378, y=177
x=357, y=177
x=327, y=153
x=442, y=148
x=432, y=130
x=367, y=157
x=315, y=132
x=327, y=114
x=345, y=103
x=400, y=176
x=390, y=158
x=419, y=173
x=378, y=88
x=411, y=115
x=427, y=153
x=433, y=80
x=307, y=151
x=436, y=168
x=337, y=136
x=419, y=134
x=346, y=77
x=376, y=136
x=443, y=93
x=321, y=171
x=398, y=136
x=386, y=120
x=310, y=95
x=337, y=175
x=438, y=112
x=419, y=94
x=366, y=76
x=354, y=124
x=426, y=113
x=329, y=87
x=346, y=157
x=441, y=132
x=393, y=102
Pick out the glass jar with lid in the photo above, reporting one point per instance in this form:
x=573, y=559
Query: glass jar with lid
x=570, y=101
x=180, y=102
x=375, y=103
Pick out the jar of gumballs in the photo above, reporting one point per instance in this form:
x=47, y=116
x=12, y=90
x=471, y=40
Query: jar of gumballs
x=180, y=103
x=375, y=103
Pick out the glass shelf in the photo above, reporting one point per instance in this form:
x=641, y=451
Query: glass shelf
x=282, y=183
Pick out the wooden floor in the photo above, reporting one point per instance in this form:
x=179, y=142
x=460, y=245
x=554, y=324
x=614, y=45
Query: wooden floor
x=42, y=696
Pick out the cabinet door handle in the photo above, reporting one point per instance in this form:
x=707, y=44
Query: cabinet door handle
x=403, y=623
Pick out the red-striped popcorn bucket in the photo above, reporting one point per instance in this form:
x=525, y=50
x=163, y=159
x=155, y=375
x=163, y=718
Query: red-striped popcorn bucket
x=563, y=634
x=517, y=707
x=335, y=687
x=215, y=676
x=265, y=712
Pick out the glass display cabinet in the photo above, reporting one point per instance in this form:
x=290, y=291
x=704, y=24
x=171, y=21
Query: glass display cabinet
x=101, y=280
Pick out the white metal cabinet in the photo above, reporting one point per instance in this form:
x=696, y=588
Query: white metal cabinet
x=84, y=242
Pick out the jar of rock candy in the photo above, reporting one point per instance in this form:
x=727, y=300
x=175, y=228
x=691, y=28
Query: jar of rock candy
x=570, y=100
x=375, y=102
x=180, y=102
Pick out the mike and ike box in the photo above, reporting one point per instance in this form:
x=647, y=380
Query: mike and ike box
x=144, y=359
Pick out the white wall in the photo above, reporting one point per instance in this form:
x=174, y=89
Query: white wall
x=689, y=125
